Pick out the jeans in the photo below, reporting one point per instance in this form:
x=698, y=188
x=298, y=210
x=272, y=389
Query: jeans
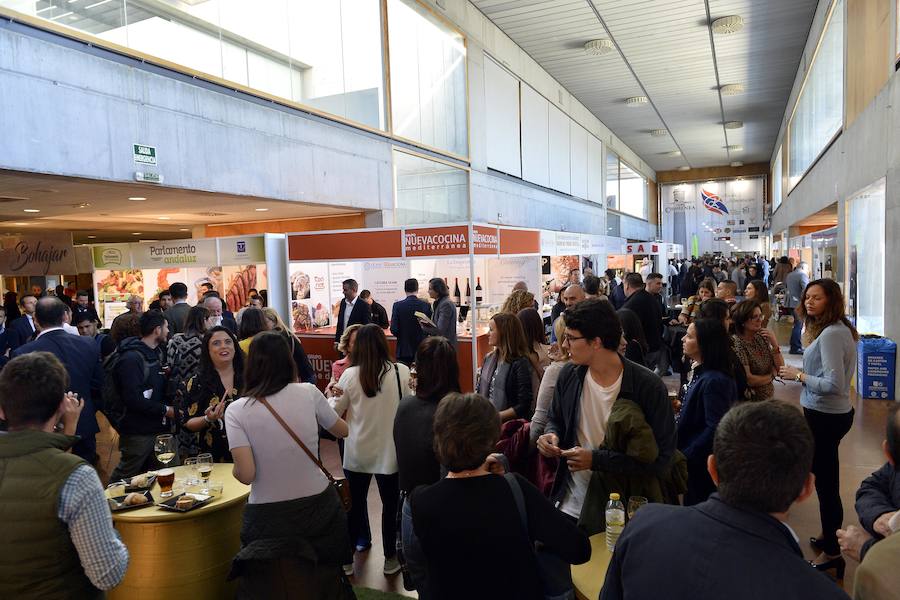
x=796, y=345
x=137, y=456
x=827, y=430
x=416, y=563
x=358, y=519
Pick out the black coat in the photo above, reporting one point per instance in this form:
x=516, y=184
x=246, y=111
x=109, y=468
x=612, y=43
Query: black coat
x=406, y=328
x=20, y=332
x=519, y=392
x=711, y=551
x=143, y=415
x=360, y=315
x=649, y=311
x=379, y=315
x=879, y=493
x=639, y=385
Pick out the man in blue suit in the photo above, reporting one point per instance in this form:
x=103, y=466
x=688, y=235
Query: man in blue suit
x=404, y=324
x=21, y=330
x=81, y=358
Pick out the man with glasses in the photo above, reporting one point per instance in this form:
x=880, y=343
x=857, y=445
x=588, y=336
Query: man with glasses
x=585, y=393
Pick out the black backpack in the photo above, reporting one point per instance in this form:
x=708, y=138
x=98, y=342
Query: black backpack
x=113, y=406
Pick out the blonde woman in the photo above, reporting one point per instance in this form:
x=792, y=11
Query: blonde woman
x=516, y=301
x=345, y=347
x=304, y=368
x=548, y=382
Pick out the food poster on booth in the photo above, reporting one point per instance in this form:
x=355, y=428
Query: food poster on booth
x=113, y=287
x=197, y=280
x=310, y=296
x=555, y=271
x=504, y=273
x=384, y=279
x=238, y=280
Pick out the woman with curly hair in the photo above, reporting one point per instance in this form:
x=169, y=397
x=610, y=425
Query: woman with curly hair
x=516, y=301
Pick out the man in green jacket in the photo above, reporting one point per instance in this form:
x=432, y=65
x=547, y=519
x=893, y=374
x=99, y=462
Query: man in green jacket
x=57, y=537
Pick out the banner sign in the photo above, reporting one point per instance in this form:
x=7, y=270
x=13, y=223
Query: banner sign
x=112, y=256
x=486, y=240
x=46, y=254
x=643, y=248
x=436, y=241
x=175, y=253
x=242, y=250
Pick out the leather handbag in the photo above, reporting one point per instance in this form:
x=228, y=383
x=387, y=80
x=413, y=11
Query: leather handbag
x=340, y=485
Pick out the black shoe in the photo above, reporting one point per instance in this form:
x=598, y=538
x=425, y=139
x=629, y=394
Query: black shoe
x=817, y=544
x=797, y=352
x=838, y=565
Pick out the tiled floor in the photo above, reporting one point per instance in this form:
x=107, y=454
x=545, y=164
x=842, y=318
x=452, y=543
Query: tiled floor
x=860, y=455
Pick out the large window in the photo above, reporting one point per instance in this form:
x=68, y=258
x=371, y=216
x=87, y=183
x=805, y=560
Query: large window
x=429, y=191
x=819, y=113
x=626, y=189
x=428, y=78
x=865, y=259
x=777, y=173
x=612, y=180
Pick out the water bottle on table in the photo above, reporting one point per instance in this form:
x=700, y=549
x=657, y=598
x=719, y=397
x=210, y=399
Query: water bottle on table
x=615, y=520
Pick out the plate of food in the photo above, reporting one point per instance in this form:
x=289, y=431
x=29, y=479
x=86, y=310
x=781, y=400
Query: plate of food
x=141, y=482
x=129, y=501
x=185, y=502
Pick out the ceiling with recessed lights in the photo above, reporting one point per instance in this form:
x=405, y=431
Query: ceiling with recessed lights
x=720, y=96
x=105, y=211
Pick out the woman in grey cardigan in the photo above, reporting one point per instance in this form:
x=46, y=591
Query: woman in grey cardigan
x=443, y=312
x=828, y=364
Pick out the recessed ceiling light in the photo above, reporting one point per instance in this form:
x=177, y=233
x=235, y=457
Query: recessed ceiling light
x=659, y=132
x=637, y=101
x=672, y=153
x=136, y=233
x=728, y=25
x=20, y=224
x=164, y=218
x=81, y=205
x=137, y=198
x=261, y=209
x=32, y=210
x=732, y=89
x=91, y=237
x=737, y=163
x=733, y=124
x=734, y=148
x=184, y=229
x=598, y=47
x=684, y=168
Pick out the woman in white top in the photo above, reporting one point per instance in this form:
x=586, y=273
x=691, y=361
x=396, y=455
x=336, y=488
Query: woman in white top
x=292, y=509
x=548, y=382
x=370, y=392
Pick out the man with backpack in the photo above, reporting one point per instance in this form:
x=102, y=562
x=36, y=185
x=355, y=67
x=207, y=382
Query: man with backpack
x=134, y=395
x=87, y=327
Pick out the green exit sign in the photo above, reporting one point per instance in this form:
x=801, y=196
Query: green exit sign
x=144, y=155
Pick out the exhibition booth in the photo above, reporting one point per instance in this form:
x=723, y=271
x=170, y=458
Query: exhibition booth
x=37, y=263
x=480, y=263
x=232, y=266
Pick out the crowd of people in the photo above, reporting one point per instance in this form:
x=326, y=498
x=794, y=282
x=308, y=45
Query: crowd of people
x=508, y=482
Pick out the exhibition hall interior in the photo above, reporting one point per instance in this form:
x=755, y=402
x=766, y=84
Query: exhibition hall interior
x=440, y=299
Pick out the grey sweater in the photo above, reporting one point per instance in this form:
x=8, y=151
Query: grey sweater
x=828, y=365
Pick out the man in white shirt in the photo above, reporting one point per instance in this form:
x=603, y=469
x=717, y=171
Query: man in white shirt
x=352, y=311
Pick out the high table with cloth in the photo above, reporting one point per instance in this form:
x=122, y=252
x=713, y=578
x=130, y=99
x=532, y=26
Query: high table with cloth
x=177, y=555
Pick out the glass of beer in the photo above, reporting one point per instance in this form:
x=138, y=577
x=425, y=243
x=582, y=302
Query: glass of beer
x=165, y=478
x=164, y=448
x=204, y=466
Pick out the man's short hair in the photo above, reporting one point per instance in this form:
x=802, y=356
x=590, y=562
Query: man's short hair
x=363, y=295
x=22, y=299
x=84, y=293
x=731, y=285
x=150, y=320
x=610, y=274
x=591, y=285
x=893, y=433
x=83, y=316
x=411, y=285
x=31, y=388
x=764, y=453
x=212, y=294
x=50, y=312
x=178, y=290
x=165, y=293
x=350, y=283
x=654, y=276
x=634, y=281
x=595, y=318
x=466, y=429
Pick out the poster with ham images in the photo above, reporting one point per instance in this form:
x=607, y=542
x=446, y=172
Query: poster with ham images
x=310, y=306
x=195, y=278
x=238, y=280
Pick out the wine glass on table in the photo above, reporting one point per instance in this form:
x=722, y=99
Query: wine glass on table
x=164, y=447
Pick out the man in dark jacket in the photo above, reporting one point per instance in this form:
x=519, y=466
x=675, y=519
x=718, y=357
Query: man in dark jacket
x=878, y=497
x=379, y=314
x=585, y=393
x=141, y=383
x=81, y=358
x=177, y=313
x=649, y=311
x=82, y=305
x=736, y=545
x=22, y=329
x=404, y=324
x=352, y=311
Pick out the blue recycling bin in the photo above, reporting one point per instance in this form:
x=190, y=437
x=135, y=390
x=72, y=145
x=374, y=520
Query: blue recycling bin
x=876, y=365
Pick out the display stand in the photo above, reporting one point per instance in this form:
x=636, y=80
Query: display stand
x=380, y=260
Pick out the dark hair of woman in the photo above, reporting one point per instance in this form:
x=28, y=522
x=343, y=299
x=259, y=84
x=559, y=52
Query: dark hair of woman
x=511, y=342
x=206, y=368
x=834, y=309
x=195, y=322
x=253, y=321
x=632, y=328
x=532, y=325
x=743, y=312
x=707, y=284
x=372, y=356
x=269, y=367
x=762, y=291
x=436, y=368
x=439, y=286
x=715, y=345
x=714, y=308
x=466, y=429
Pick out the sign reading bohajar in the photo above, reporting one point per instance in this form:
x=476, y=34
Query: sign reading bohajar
x=48, y=253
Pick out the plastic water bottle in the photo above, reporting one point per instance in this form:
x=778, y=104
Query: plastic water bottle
x=615, y=521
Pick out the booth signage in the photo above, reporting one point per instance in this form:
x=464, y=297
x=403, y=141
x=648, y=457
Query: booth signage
x=592, y=244
x=436, y=241
x=176, y=252
x=568, y=243
x=113, y=256
x=38, y=255
x=242, y=250
x=486, y=240
x=642, y=248
x=548, y=243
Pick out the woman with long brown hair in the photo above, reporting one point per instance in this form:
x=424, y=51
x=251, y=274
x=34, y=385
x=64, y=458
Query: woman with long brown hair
x=828, y=365
x=370, y=393
x=505, y=375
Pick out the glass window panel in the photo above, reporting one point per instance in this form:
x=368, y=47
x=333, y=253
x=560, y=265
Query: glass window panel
x=101, y=18
x=865, y=259
x=819, y=113
x=612, y=180
x=429, y=191
x=428, y=78
x=632, y=192
x=777, y=173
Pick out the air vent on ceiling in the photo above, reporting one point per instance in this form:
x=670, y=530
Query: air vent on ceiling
x=4, y=199
x=212, y=214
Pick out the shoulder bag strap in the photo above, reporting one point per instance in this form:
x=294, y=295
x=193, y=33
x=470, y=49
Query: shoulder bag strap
x=520, y=500
x=397, y=373
x=287, y=428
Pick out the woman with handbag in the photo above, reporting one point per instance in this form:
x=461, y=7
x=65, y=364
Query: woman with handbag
x=474, y=522
x=294, y=533
x=370, y=392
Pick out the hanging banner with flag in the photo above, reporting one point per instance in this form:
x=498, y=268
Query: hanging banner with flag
x=715, y=216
